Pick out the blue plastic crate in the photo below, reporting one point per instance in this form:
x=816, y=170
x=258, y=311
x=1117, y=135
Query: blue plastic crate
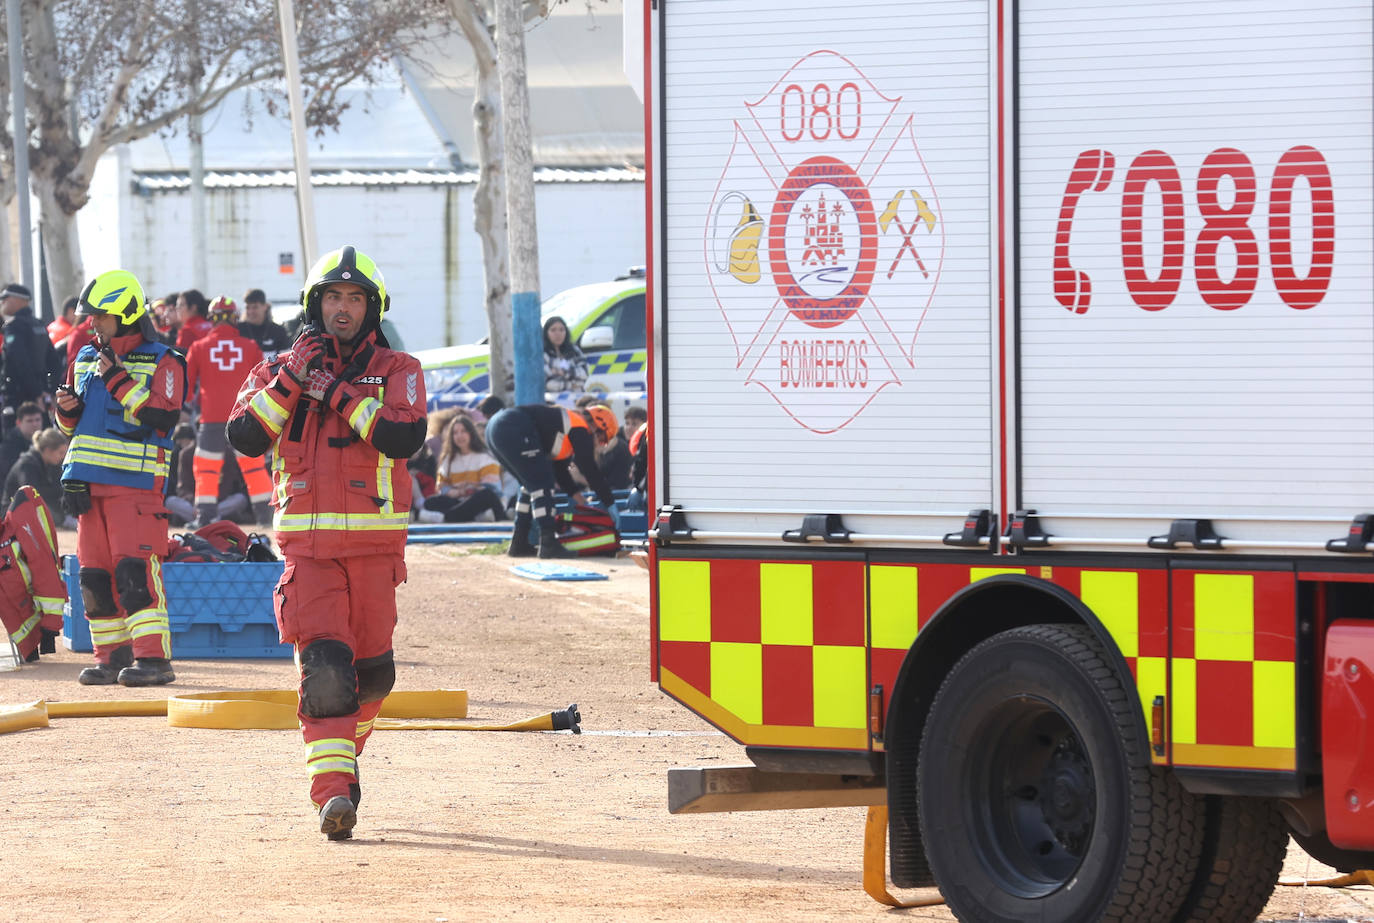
x=215, y=610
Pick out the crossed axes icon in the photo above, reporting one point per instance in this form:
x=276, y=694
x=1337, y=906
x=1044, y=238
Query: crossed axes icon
x=889, y=217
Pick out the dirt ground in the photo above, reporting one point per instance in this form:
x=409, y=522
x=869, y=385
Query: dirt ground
x=127, y=818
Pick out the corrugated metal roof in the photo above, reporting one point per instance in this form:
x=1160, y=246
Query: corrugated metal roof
x=176, y=180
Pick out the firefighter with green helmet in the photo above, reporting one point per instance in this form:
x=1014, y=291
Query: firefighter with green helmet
x=341, y=412
x=121, y=399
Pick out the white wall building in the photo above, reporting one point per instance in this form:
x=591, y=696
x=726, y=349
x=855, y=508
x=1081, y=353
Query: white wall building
x=386, y=183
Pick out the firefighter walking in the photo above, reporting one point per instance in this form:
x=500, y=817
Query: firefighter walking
x=341, y=412
x=537, y=444
x=216, y=367
x=122, y=398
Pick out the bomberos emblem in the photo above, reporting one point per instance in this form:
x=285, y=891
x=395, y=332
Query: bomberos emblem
x=824, y=241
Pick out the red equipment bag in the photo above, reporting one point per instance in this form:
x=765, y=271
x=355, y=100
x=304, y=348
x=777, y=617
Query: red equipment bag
x=588, y=530
x=221, y=540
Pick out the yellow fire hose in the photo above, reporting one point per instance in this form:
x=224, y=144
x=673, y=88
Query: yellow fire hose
x=275, y=709
x=875, y=863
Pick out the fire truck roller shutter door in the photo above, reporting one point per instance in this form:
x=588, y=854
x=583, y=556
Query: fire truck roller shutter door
x=329, y=682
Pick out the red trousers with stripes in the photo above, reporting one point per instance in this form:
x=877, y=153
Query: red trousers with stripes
x=352, y=600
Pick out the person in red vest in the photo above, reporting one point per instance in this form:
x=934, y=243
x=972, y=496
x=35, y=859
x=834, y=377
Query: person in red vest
x=216, y=368
x=191, y=308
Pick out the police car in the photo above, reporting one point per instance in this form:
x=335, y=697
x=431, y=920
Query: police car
x=605, y=320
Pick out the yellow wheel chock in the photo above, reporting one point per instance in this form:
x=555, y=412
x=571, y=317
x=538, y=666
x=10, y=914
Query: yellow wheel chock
x=875, y=863
x=275, y=709
x=1360, y=877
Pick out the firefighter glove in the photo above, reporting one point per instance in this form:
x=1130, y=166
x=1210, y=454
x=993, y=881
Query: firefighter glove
x=47, y=644
x=318, y=382
x=306, y=354
x=76, y=497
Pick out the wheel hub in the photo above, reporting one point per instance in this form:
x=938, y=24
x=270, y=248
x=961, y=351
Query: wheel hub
x=1067, y=796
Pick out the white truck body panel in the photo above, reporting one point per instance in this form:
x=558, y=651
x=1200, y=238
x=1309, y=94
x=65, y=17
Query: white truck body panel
x=904, y=361
x=1256, y=416
x=881, y=412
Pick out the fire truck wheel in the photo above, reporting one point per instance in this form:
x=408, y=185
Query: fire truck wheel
x=1035, y=798
x=1242, y=855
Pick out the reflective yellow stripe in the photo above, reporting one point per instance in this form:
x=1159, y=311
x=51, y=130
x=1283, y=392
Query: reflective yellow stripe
x=24, y=571
x=384, y=488
x=322, y=766
x=365, y=522
x=364, y=416
x=25, y=629
x=134, y=399
x=147, y=622
x=49, y=605
x=49, y=531
x=118, y=454
x=109, y=631
x=270, y=414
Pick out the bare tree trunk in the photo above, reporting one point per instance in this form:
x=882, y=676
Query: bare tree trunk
x=61, y=246
x=489, y=198
x=6, y=244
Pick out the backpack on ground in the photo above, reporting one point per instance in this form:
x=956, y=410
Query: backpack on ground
x=587, y=530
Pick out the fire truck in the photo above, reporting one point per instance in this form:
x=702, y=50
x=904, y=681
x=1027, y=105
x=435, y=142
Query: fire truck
x=1013, y=433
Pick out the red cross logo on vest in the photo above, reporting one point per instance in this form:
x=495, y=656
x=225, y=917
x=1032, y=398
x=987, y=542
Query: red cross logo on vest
x=226, y=355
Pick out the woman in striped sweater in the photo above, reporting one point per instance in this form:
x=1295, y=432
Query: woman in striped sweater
x=467, y=479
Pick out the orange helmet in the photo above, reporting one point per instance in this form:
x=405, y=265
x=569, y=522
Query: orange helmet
x=222, y=310
x=603, y=419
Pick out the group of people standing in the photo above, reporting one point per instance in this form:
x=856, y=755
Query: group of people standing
x=339, y=413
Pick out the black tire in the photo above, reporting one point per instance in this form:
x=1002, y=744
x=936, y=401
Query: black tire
x=1035, y=794
x=1242, y=855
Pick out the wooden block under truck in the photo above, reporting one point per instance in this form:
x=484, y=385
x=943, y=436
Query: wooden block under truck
x=1013, y=419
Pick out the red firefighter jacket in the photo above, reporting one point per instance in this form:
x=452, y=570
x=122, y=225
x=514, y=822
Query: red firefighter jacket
x=216, y=367
x=340, y=485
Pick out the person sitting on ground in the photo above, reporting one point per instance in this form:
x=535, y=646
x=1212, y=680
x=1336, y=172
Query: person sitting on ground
x=181, y=486
x=637, y=421
x=28, y=419
x=565, y=367
x=613, y=457
x=467, y=479
x=41, y=468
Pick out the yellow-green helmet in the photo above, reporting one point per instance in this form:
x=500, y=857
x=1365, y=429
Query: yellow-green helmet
x=117, y=293
x=345, y=264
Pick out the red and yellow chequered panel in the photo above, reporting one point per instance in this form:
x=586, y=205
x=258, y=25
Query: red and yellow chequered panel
x=772, y=652
x=1233, y=670
x=776, y=652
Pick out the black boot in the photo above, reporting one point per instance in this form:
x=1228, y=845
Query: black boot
x=338, y=817
x=549, y=545
x=520, y=546
x=105, y=674
x=148, y=671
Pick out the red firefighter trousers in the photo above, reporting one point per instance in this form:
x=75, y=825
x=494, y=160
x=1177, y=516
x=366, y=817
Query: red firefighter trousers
x=127, y=526
x=352, y=600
